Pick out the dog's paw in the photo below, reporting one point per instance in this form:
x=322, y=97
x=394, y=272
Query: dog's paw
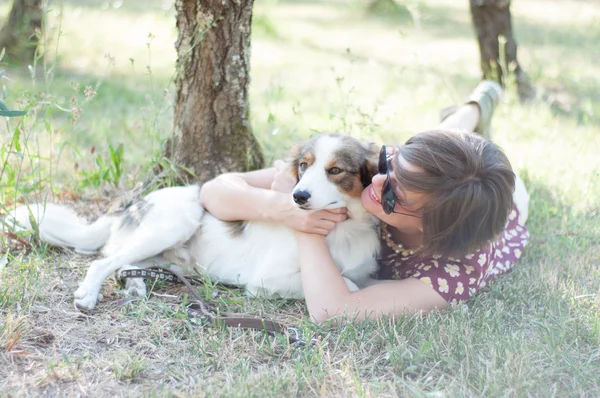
x=135, y=287
x=86, y=300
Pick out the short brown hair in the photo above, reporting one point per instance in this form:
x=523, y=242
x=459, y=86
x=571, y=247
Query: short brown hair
x=469, y=184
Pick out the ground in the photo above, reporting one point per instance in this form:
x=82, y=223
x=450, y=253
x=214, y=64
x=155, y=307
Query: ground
x=316, y=66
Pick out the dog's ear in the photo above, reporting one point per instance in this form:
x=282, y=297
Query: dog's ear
x=369, y=167
x=292, y=161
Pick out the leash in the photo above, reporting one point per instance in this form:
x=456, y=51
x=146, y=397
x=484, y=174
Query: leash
x=228, y=319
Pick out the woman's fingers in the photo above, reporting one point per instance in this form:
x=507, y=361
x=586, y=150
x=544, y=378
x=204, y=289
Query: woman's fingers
x=279, y=165
x=326, y=224
x=339, y=210
x=319, y=222
x=339, y=216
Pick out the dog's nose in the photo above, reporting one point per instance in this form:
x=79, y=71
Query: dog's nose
x=301, y=197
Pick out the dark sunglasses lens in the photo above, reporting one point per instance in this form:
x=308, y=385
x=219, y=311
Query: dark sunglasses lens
x=388, y=202
x=382, y=166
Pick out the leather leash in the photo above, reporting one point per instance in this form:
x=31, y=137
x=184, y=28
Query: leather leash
x=228, y=319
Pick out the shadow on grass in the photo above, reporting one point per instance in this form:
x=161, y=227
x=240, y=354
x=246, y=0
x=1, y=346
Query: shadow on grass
x=118, y=92
x=574, y=97
x=132, y=111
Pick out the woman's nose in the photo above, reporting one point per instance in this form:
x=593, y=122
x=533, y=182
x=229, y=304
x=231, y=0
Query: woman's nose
x=378, y=179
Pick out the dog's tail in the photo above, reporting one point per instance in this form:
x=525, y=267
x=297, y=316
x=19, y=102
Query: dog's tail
x=60, y=226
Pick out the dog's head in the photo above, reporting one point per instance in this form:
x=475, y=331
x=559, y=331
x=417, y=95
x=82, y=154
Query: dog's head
x=332, y=170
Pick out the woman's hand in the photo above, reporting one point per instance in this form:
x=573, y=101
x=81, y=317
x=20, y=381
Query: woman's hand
x=319, y=222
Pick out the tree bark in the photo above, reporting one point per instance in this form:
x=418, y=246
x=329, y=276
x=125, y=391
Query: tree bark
x=212, y=132
x=492, y=19
x=18, y=36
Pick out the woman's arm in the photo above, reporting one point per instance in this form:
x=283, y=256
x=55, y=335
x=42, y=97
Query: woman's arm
x=327, y=295
x=248, y=196
x=242, y=196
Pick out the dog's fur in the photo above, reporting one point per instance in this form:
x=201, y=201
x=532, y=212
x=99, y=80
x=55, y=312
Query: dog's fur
x=169, y=226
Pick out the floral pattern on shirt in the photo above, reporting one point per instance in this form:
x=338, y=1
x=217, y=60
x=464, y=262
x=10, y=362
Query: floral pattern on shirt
x=458, y=279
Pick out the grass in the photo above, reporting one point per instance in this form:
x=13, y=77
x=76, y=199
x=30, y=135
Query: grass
x=316, y=66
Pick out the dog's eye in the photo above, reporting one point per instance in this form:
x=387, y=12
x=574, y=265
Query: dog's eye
x=334, y=170
x=303, y=166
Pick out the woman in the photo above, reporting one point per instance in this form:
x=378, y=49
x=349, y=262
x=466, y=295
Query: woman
x=448, y=220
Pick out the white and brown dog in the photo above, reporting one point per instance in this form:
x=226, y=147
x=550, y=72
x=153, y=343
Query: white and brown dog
x=169, y=226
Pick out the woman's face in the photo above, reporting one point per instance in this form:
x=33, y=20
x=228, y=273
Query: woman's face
x=371, y=200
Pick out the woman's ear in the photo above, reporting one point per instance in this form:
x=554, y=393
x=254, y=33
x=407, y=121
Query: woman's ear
x=369, y=167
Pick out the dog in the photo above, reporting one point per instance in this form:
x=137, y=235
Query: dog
x=170, y=227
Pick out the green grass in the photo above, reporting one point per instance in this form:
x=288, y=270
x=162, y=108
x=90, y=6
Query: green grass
x=316, y=66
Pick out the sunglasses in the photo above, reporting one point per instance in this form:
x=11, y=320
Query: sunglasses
x=388, y=199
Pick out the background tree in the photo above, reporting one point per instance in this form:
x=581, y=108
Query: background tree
x=18, y=35
x=212, y=132
x=492, y=19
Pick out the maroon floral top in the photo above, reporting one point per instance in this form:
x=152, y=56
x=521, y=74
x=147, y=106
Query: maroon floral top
x=458, y=279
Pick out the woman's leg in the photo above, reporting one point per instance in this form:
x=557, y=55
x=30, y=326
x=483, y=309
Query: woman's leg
x=476, y=114
x=465, y=118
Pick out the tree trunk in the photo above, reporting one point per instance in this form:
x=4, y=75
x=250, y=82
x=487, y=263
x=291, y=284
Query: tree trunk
x=492, y=19
x=18, y=36
x=212, y=132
